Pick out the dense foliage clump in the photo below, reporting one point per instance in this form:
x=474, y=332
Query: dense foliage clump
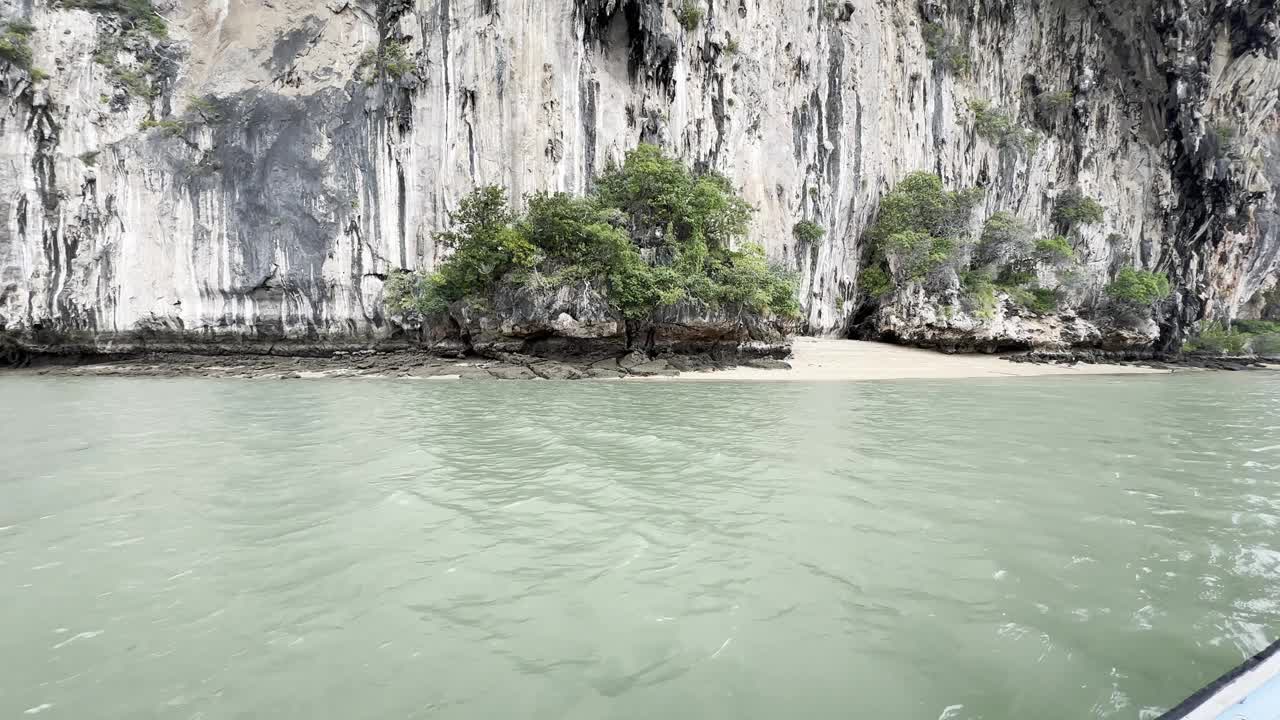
x=689, y=15
x=922, y=232
x=1218, y=338
x=1054, y=250
x=944, y=48
x=1259, y=337
x=391, y=58
x=1073, y=208
x=1138, y=287
x=1000, y=129
x=1004, y=238
x=808, y=232
x=652, y=234
x=135, y=14
x=920, y=227
x=15, y=43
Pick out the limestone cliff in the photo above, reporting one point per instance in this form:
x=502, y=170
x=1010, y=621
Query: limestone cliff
x=252, y=169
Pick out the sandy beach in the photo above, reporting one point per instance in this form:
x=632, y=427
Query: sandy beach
x=813, y=359
x=819, y=359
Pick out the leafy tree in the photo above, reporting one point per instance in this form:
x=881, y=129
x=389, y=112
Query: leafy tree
x=1004, y=238
x=1073, y=208
x=686, y=224
x=920, y=226
x=808, y=232
x=15, y=43
x=1001, y=129
x=1054, y=250
x=1138, y=287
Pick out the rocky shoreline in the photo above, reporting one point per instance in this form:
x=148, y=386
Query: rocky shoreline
x=1146, y=359
x=813, y=359
x=408, y=364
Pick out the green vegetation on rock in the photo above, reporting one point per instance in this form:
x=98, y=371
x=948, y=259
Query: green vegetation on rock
x=1000, y=129
x=1258, y=337
x=1056, y=101
x=134, y=14
x=1218, y=338
x=980, y=293
x=169, y=127
x=944, y=49
x=689, y=15
x=653, y=234
x=15, y=43
x=1138, y=287
x=922, y=229
x=1054, y=250
x=391, y=58
x=1004, y=237
x=920, y=226
x=807, y=231
x=875, y=282
x=1073, y=208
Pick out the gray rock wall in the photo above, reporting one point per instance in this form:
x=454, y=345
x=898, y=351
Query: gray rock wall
x=279, y=187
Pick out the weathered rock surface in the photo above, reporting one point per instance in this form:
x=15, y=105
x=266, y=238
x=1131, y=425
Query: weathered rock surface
x=275, y=187
x=577, y=321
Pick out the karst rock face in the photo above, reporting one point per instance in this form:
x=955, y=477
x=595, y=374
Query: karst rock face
x=232, y=171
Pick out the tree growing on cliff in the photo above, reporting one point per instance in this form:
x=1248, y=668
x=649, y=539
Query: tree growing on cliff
x=15, y=43
x=1004, y=238
x=1073, y=208
x=1133, y=293
x=920, y=227
x=653, y=234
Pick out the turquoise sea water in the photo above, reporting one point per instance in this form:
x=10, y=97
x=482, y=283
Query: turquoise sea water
x=1042, y=548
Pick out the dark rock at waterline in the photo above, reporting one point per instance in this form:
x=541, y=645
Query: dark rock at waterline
x=578, y=321
x=1139, y=358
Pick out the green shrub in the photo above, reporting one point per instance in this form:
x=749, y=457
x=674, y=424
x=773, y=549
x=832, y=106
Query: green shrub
x=205, y=106
x=1015, y=275
x=90, y=159
x=980, y=293
x=1042, y=300
x=1138, y=287
x=1054, y=250
x=15, y=44
x=1004, y=238
x=1266, y=345
x=731, y=47
x=1258, y=327
x=945, y=49
x=1056, y=101
x=390, y=57
x=563, y=239
x=134, y=14
x=1260, y=337
x=920, y=225
x=875, y=282
x=1073, y=208
x=1000, y=129
x=170, y=127
x=136, y=81
x=689, y=15
x=1218, y=338
x=664, y=205
x=808, y=232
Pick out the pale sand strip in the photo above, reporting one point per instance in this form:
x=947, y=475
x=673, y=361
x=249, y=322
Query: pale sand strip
x=829, y=359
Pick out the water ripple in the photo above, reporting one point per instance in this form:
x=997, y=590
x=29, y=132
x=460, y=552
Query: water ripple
x=1050, y=548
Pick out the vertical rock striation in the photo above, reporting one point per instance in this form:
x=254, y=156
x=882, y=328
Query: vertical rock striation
x=252, y=171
